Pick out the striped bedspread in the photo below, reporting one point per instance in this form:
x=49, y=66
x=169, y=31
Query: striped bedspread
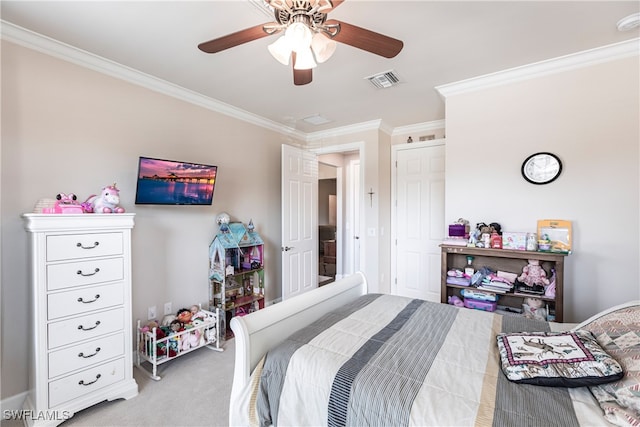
x=385, y=360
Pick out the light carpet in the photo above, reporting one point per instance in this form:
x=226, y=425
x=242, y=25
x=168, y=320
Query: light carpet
x=194, y=391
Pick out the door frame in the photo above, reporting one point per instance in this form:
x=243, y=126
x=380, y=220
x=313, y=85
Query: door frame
x=394, y=205
x=340, y=236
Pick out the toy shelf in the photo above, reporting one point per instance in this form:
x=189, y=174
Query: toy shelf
x=504, y=260
x=157, y=351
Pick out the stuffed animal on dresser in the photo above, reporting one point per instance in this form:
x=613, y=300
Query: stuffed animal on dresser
x=107, y=202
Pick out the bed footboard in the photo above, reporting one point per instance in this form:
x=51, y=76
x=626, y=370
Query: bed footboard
x=262, y=330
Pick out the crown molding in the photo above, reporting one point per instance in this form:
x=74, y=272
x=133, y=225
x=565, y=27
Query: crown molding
x=585, y=58
x=345, y=130
x=419, y=127
x=57, y=49
x=52, y=47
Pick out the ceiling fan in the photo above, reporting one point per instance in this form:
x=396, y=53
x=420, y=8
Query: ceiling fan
x=308, y=36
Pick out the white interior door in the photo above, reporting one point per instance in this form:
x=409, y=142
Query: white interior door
x=299, y=221
x=354, y=232
x=419, y=219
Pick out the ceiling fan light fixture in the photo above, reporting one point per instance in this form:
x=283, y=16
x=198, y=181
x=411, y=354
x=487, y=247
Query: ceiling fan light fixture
x=323, y=47
x=307, y=35
x=299, y=36
x=280, y=50
x=304, y=60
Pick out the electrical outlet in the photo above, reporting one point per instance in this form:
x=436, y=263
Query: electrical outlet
x=167, y=308
x=151, y=313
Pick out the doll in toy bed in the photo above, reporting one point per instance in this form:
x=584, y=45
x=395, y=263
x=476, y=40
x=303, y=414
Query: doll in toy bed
x=191, y=318
x=197, y=316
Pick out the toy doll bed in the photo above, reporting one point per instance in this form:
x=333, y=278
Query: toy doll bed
x=388, y=360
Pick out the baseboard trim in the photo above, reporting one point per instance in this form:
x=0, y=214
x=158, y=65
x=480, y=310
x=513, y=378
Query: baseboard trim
x=13, y=403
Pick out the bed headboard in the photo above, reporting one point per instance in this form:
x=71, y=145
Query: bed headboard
x=262, y=330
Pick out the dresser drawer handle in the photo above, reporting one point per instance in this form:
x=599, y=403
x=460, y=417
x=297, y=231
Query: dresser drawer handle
x=90, y=301
x=89, y=355
x=87, y=274
x=81, y=382
x=88, y=329
x=80, y=245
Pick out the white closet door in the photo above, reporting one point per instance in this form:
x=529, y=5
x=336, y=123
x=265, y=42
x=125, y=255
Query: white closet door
x=419, y=219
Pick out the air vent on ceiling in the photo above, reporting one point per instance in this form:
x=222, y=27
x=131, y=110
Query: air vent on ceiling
x=316, y=119
x=384, y=80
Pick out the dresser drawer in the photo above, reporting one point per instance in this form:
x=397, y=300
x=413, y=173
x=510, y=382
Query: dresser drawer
x=82, y=300
x=85, y=382
x=81, y=273
x=85, y=327
x=85, y=354
x=76, y=246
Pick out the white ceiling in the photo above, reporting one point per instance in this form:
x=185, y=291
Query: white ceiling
x=444, y=42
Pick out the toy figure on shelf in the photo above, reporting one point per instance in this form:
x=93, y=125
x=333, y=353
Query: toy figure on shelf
x=474, y=236
x=455, y=300
x=550, y=290
x=533, y=274
x=533, y=309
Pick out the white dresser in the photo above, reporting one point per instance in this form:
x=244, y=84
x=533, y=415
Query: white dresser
x=80, y=274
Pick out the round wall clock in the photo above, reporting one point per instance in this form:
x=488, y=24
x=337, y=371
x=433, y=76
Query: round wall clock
x=541, y=168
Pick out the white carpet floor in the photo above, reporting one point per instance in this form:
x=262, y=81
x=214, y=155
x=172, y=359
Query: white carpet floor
x=194, y=391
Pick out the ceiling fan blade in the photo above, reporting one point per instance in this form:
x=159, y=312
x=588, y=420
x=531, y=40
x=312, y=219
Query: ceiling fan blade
x=335, y=4
x=235, y=39
x=367, y=40
x=300, y=77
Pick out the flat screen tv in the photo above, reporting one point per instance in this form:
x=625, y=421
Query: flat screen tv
x=171, y=182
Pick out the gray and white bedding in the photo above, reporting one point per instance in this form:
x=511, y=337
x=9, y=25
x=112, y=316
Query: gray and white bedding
x=392, y=361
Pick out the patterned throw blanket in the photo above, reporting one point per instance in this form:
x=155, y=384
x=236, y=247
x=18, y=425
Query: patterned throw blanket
x=392, y=361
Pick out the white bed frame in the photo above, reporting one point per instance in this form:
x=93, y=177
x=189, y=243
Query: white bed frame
x=262, y=330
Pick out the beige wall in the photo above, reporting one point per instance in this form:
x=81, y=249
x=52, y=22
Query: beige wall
x=589, y=117
x=68, y=129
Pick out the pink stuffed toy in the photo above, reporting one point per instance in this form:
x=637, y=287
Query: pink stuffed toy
x=533, y=274
x=106, y=202
x=455, y=300
x=191, y=339
x=67, y=204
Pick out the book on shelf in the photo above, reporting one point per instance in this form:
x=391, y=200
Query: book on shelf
x=490, y=288
x=455, y=241
x=496, y=284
